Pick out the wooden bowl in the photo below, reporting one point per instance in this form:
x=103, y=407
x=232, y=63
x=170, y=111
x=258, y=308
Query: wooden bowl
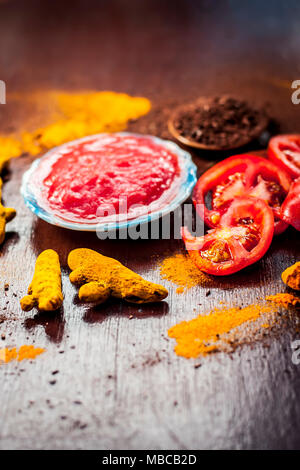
x=244, y=140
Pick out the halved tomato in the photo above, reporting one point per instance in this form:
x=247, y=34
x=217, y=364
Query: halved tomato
x=285, y=151
x=242, y=238
x=290, y=210
x=241, y=175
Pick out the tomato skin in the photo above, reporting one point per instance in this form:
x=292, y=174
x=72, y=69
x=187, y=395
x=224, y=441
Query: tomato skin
x=290, y=211
x=251, y=166
x=241, y=208
x=276, y=153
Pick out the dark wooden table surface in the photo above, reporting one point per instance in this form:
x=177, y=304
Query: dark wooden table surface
x=118, y=382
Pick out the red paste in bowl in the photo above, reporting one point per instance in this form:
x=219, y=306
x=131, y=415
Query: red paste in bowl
x=78, y=178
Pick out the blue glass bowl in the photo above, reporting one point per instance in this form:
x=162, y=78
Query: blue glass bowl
x=186, y=181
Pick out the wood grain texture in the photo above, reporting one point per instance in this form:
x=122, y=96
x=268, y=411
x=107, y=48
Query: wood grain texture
x=109, y=378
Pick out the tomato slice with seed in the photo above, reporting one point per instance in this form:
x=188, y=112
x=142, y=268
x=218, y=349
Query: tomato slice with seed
x=285, y=151
x=243, y=236
x=290, y=211
x=241, y=175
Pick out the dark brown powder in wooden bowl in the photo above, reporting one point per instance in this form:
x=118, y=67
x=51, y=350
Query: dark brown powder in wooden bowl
x=220, y=123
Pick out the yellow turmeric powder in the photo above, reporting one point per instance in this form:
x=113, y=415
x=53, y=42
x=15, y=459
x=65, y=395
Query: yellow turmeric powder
x=69, y=116
x=24, y=352
x=291, y=276
x=7, y=355
x=200, y=335
x=45, y=288
x=6, y=214
x=101, y=277
x=181, y=270
x=285, y=300
x=10, y=147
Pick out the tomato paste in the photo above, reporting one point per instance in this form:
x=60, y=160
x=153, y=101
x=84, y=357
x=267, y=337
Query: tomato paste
x=78, y=178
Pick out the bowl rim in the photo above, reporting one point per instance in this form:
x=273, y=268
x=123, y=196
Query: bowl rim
x=202, y=100
x=188, y=174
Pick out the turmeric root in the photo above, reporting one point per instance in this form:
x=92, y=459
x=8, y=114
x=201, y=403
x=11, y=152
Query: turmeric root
x=45, y=288
x=291, y=276
x=101, y=277
x=6, y=214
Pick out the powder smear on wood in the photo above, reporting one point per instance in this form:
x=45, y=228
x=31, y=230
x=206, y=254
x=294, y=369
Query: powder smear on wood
x=181, y=270
x=24, y=352
x=285, y=300
x=200, y=335
x=68, y=116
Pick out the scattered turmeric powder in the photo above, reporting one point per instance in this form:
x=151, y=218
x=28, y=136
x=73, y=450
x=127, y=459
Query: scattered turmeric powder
x=24, y=352
x=291, y=276
x=200, y=335
x=45, y=288
x=285, y=300
x=101, y=277
x=29, y=352
x=10, y=147
x=181, y=270
x=6, y=215
x=7, y=355
x=69, y=116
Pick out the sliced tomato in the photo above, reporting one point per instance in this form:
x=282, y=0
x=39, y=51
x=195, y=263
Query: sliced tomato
x=285, y=151
x=241, y=175
x=290, y=211
x=242, y=238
